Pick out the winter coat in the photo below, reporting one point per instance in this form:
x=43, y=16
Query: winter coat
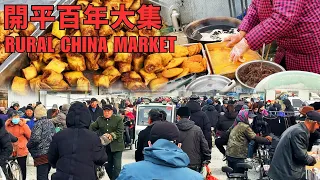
x=225, y=122
x=41, y=137
x=163, y=160
x=277, y=106
x=97, y=113
x=200, y=118
x=218, y=107
x=143, y=138
x=193, y=142
x=29, y=120
x=290, y=157
x=60, y=120
x=213, y=115
x=113, y=126
x=5, y=144
x=76, y=151
x=3, y=117
x=23, y=133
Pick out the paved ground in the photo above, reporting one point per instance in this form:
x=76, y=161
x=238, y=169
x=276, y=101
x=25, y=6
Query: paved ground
x=128, y=157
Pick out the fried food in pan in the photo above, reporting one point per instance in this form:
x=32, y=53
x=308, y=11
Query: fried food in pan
x=153, y=63
x=30, y=29
x=194, y=49
x=20, y=86
x=106, y=30
x=138, y=63
x=83, y=84
x=180, y=51
x=175, y=62
x=92, y=66
x=124, y=67
x=157, y=83
x=184, y=73
x=56, y=31
x=147, y=76
x=3, y=33
x=35, y=83
x=51, y=78
x=30, y=72
x=110, y=48
x=105, y=63
x=3, y=54
x=113, y=74
x=56, y=66
x=62, y=86
x=76, y=61
x=170, y=73
x=196, y=64
x=166, y=58
x=101, y=81
x=123, y=57
x=35, y=56
x=38, y=65
x=72, y=77
x=47, y=57
x=135, y=5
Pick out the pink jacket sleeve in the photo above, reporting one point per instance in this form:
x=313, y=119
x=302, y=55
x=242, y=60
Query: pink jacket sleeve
x=285, y=15
x=251, y=19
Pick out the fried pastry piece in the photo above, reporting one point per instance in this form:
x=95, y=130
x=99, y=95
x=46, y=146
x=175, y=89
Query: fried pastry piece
x=30, y=29
x=101, y=81
x=106, y=30
x=166, y=58
x=30, y=72
x=83, y=84
x=133, y=20
x=184, y=73
x=130, y=33
x=135, y=85
x=194, y=49
x=112, y=73
x=76, y=33
x=56, y=31
x=38, y=65
x=83, y=4
x=157, y=83
x=35, y=83
x=153, y=63
x=110, y=48
x=56, y=45
x=3, y=54
x=196, y=64
x=132, y=81
x=14, y=34
x=76, y=61
x=72, y=77
x=3, y=33
x=62, y=86
x=180, y=51
x=138, y=63
x=92, y=61
x=56, y=66
x=36, y=56
x=124, y=67
x=87, y=30
x=123, y=57
x=147, y=76
x=149, y=32
x=20, y=86
x=119, y=33
x=159, y=75
x=175, y=62
x=170, y=73
x=1, y=17
x=96, y=3
x=47, y=57
x=135, y=5
x=51, y=78
x=92, y=66
x=105, y=63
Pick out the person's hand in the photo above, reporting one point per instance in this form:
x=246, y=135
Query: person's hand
x=238, y=50
x=233, y=39
x=109, y=136
x=269, y=138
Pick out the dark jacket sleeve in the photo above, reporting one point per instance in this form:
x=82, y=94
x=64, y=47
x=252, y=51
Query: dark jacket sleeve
x=99, y=153
x=53, y=154
x=6, y=145
x=205, y=151
x=207, y=130
x=13, y=138
x=140, y=146
x=299, y=147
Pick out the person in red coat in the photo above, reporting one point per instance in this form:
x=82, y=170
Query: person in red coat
x=293, y=24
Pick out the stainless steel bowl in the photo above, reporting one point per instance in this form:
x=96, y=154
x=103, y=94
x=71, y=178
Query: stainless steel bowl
x=244, y=65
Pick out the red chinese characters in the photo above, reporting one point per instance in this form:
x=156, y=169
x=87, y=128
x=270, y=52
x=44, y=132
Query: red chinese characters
x=15, y=16
x=42, y=14
x=149, y=17
x=69, y=16
x=96, y=16
x=122, y=17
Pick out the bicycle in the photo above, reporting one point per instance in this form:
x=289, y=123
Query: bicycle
x=12, y=169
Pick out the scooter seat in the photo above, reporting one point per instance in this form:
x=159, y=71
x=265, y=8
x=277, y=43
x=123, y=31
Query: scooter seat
x=244, y=165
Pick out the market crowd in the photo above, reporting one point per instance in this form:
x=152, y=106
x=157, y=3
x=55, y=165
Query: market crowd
x=81, y=138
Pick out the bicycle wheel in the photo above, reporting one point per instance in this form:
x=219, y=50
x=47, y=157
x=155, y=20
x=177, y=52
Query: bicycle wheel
x=15, y=170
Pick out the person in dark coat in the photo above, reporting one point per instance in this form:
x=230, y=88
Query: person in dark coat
x=290, y=108
x=95, y=110
x=277, y=105
x=224, y=105
x=75, y=152
x=200, y=118
x=291, y=158
x=212, y=114
x=192, y=139
x=217, y=105
x=5, y=146
x=154, y=116
x=224, y=123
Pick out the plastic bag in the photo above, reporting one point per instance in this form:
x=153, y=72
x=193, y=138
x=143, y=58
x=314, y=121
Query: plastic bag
x=206, y=172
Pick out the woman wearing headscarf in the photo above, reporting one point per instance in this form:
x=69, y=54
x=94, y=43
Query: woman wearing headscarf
x=239, y=138
x=290, y=109
x=18, y=128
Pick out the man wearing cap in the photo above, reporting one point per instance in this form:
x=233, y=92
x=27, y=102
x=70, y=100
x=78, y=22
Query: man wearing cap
x=29, y=117
x=94, y=109
x=163, y=159
x=53, y=112
x=192, y=139
x=291, y=157
x=60, y=120
x=111, y=126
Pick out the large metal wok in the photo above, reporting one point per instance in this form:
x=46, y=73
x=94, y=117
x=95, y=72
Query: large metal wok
x=193, y=30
